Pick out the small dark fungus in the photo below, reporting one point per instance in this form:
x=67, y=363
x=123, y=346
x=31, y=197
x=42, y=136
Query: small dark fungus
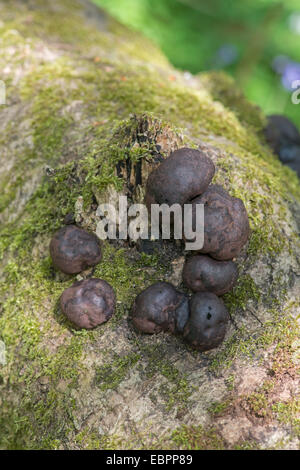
x=88, y=303
x=280, y=132
x=158, y=308
x=226, y=224
x=185, y=174
x=206, y=326
x=284, y=139
x=204, y=274
x=72, y=249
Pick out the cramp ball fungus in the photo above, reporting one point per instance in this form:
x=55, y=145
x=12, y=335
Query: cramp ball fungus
x=72, y=249
x=88, y=303
x=226, y=224
x=158, y=308
x=204, y=274
x=206, y=326
x=179, y=178
x=284, y=139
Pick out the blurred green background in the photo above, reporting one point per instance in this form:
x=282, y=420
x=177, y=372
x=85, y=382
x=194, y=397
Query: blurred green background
x=256, y=41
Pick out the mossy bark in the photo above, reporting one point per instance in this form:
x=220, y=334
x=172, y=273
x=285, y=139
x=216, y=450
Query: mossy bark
x=89, y=106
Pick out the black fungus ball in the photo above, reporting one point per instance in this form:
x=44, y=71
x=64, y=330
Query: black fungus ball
x=290, y=156
x=281, y=132
x=73, y=249
x=88, y=303
x=208, y=319
x=226, y=223
x=284, y=139
x=204, y=274
x=179, y=178
x=158, y=308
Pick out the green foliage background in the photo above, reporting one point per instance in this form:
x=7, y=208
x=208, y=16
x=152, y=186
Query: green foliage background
x=190, y=32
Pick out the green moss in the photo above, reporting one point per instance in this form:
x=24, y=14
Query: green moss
x=262, y=404
x=196, y=438
x=224, y=89
x=23, y=317
x=230, y=382
x=279, y=330
x=258, y=404
x=288, y=413
x=88, y=440
x=48, y=123
x=245, y=290
x=126, y=273
x=176, y=389
x=247, y=445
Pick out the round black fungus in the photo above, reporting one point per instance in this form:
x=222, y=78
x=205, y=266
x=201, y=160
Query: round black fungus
x=206, y=326
x=155, y=309
x=88, y=303
x=179, y=178
x=226, y=224
x=284, y=139
x=72, y=249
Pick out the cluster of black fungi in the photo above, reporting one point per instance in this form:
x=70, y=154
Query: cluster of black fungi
x=201, y=320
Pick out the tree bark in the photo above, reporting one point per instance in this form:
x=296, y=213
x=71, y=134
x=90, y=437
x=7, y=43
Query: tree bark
x=90, y=109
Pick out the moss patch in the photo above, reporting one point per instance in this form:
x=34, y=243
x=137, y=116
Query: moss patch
x=89, y=98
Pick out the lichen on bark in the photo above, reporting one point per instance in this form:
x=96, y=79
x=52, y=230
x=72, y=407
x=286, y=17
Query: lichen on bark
x=84, y=96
